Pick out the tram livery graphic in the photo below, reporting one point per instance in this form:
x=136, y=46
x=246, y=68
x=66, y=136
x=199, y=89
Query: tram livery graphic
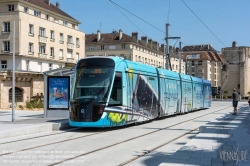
x=111, y=91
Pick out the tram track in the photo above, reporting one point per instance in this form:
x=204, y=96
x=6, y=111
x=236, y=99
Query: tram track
x=124, y=141
x=146, y=134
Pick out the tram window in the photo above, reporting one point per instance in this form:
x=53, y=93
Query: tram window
x=116, y=94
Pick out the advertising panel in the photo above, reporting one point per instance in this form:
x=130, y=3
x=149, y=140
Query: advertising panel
x=58, y=92
x=194, y=56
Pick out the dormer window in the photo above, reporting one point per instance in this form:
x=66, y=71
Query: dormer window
x=25, y=9
x=65, y=23
x=37, y=13
x=10, y=7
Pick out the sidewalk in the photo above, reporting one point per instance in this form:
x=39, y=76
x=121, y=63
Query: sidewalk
x=225, y=142
x=28, y=122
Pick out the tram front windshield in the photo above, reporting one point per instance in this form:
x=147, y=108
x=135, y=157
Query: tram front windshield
x=92, y=84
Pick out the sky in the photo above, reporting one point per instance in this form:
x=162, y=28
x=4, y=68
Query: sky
x=215, y=22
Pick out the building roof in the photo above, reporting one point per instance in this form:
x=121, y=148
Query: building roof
x=202, y=47
x=50, y=6
x=204, y=55
x=114, y=38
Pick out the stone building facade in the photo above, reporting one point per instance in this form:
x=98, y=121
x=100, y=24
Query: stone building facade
x=142, y=50
x=206, y=63
x=236, y=69
x=46, y=38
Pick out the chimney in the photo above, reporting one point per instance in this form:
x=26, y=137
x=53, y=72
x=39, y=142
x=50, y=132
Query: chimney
x=170, y=49
x=150, y=43
x=156, y=46
x=234, y=44
x=98, y=36
x=144, y=40
x=57, y=4
x=47, y=1
x=120, y=34
x=135, y=36
x=163, y=48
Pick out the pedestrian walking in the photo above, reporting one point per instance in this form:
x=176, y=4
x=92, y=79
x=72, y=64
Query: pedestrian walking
x=249, y=102
x=235, y=101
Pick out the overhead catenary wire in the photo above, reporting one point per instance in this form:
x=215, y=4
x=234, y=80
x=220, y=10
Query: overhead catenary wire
x=203, y=23
x=137, y=16
x=128, y=18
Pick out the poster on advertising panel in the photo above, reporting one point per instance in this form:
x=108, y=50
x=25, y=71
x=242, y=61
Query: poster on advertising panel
x=58, y=92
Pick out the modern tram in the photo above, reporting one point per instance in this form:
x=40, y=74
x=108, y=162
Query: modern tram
x=112, y=91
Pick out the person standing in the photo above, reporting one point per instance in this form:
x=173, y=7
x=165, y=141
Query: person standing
x=235, y=101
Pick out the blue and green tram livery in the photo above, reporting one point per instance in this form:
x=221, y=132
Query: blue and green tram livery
x=111, y=91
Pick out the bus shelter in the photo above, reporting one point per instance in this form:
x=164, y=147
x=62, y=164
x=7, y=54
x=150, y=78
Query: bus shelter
x=57, y=85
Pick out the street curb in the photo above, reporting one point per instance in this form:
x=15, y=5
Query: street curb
x=34, y=129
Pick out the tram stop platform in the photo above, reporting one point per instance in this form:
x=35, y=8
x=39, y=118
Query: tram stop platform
x=224, y=143
x=28, y=122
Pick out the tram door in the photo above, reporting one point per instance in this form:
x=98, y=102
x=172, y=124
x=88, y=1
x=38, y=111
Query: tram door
x=129, y=94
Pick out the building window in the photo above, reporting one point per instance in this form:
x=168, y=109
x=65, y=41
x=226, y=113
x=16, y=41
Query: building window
x=112, y=47
x=39, y=65
x=193, y=63
x=6, y=46
x=27, y=65
x=61, y=54
x=3, y=64
x=91, y=48
x=6, y=27
x=10, y=7
x=25, y=9
x=69, y=39
x=31, y=48
x=193, y=69
x=31, y=29
x=77, y=42
x=77, y=56
x=56, y=20
x=69, y=54
x=41, y=49
x=65, y=23
x=199, y=62
x=52, y=35
x=102, y=47
x=37, y=13
x=51, y=52
x=61, y=37
x=42, y=31
x=50, y=66
x=123, y=46
x=18, y=95
x=47, y=17
x=73, y=26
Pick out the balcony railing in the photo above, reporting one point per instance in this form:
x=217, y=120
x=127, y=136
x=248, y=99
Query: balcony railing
x=70, y=46
x=42, y=55
x=42, y=39
x=70, y=60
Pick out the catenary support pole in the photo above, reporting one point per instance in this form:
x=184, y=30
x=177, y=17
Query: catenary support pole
x=167, y=48
x=180, y=57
